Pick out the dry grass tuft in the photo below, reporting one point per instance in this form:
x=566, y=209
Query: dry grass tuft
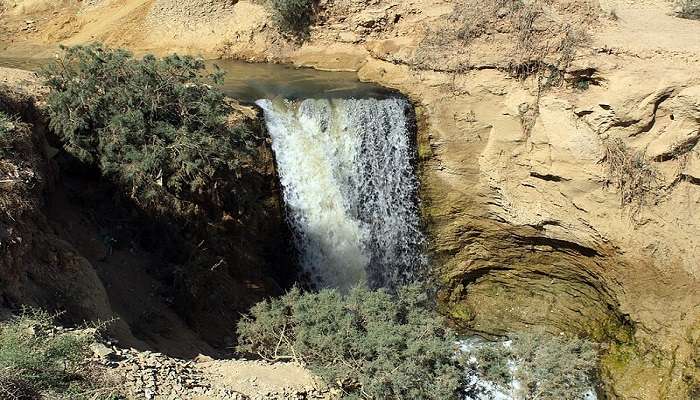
x=535, y=38
x=39, y=360
x=632, y=175
x=14, y=387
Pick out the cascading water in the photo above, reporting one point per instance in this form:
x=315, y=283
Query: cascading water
x=347, y=171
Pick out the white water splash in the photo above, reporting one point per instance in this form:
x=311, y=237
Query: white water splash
x=483, y=389
x=346, y=167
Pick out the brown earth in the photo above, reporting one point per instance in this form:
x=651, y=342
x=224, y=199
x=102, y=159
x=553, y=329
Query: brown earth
x=525, y=215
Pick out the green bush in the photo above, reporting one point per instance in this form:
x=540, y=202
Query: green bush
x=39, y=360
x=293, y=16
x=689, y=9
x=36, y=357
x=494, y=364
x=371, y=344
x=154, y=125
x=554, y=367
x=547, y=367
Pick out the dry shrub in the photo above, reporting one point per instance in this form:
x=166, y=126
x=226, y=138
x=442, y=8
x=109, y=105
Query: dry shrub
x=18, y=166
x=14, y=387
x=369, y=344
x=528, y=114
x=554, y=367
x=537, y=38
x=293, y=16
x=632, y=175
x=39, y=358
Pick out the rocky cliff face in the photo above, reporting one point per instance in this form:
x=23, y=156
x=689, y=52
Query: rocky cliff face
x=71, y=241
x=39, y=268
x=527, y=229
x=531, y=192
x=532, y=220
x=534, y=217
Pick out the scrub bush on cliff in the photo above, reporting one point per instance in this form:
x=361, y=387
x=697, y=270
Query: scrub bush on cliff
x=293, y=16
x=554, y=367
x=371, y=344
x=153, y=125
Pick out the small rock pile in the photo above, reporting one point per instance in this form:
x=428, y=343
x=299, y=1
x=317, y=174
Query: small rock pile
x=30, y=26
x=149, y=375
x=155, y=376
x=189, y=13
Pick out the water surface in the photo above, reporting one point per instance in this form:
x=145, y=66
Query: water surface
x=249, y=82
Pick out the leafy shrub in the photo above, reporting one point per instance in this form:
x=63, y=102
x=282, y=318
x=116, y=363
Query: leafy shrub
x=293, y=16
x=154, y=125
x=36, y=357
x=372, y=344
x=545, y=366
x=689, y=9
x=494, y=364
x=554, y=367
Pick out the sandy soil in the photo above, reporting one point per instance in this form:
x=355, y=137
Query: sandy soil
x=281, y=380
x=648, y=29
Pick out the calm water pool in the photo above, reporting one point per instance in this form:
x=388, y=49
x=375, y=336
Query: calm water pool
x=250, y=82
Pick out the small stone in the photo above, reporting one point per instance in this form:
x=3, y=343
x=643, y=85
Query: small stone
x=101, y=351
x=201, y=358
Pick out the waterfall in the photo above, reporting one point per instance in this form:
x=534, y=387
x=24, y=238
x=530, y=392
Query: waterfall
x=347, y=172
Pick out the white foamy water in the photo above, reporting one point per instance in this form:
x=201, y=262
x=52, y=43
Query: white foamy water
x=346, y=168
x=483, y=389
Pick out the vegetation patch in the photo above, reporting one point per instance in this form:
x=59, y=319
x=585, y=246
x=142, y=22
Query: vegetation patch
x=544, y=366
x=370, y=344
x=293, y=16
x=632, y=175
x=19, y=171
x=7, y=127
x=688, y=9
x=375, y=345
x=37, y=358
x=156, y=126
x=532, y=37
